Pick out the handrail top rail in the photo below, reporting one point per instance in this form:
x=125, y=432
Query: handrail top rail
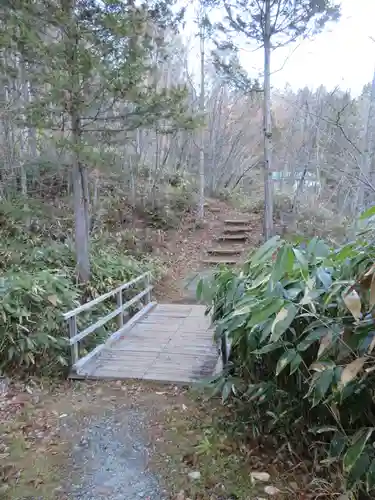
x=101, y=298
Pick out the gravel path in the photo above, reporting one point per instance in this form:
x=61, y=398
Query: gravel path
x=110, y=458
x=111, y=455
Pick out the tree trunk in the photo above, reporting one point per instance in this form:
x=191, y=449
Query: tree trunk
x=368, y=151
x=79, y=172
x=267, y=127
x=24, y=144
x=201, y=109
x=81, y=215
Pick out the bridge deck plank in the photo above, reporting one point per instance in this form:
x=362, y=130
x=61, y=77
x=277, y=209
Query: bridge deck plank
x=172, y=343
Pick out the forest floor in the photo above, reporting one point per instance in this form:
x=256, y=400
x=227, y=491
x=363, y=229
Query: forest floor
x=129, y=440
x=124, y=441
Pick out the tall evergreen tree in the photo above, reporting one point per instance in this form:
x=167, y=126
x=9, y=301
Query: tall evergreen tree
x=91, y=66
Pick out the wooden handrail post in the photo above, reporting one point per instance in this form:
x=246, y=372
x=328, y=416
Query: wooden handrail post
x=148, y=283
x=73, y=333
x=120, y=318
x=121, y=312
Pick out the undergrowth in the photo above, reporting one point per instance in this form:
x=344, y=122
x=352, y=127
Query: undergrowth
x=300, y=320
x=38, y=283
x=307, y=217
x=165, y=208
x=160, y=205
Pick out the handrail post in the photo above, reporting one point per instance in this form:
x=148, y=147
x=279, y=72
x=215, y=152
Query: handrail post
x=73, y=333
x=120, y=318
x=76, y=337
x=148, y=283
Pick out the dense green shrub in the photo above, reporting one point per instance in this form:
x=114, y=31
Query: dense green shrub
x=33, y=334
x=38, y=283
x=300, y=319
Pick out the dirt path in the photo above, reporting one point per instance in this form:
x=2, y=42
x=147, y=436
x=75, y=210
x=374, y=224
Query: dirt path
x=130, y=441
x=183, y=250
x=121, y=441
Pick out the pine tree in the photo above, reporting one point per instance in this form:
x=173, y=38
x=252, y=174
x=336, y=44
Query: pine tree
x=90, y=67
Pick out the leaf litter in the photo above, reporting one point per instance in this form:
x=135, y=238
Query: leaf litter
x=101, y=439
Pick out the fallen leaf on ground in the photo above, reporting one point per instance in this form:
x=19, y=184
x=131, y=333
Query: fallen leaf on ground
x=181, y=496
x=271, y=490
x=194, y=475
x=260, y=476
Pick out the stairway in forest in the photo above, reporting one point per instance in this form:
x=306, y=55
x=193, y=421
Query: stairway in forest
x=230, y=245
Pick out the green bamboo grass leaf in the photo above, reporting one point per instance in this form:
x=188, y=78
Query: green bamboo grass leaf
x=356, y=449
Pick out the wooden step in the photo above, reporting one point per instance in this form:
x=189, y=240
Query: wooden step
x=216, y=260
x=211, y=209
x=225, y=251
x=237, y=222
x=237, y=229
x=232, y=237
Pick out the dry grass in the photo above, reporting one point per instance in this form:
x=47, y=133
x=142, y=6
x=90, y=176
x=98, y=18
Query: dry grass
x=188, y=443
x=199, y=435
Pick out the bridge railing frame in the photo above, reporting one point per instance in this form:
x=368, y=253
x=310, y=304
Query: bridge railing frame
x=71, y=317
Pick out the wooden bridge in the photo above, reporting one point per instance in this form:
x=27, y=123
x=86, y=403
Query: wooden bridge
x=141, y=339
